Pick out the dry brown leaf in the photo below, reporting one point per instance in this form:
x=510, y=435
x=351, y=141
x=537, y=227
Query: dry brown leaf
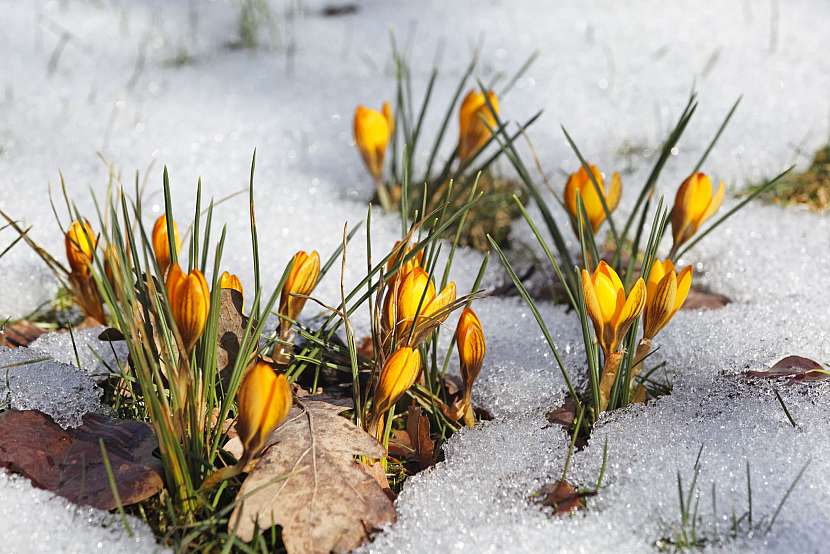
x=231, y=328
x=19, y=333
x=309, y=483
x=793, y=368
x=69, y=463
x=700, y=299
x=564, y=415
x=561, y=496
x=417, y=427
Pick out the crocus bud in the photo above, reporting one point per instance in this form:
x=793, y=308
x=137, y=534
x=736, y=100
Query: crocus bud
x=80, y=243
x=398, y=374
x=666, y=290
x=189, y=303
x=580, y=182
x=401, y=252
x=301, y=281
x=161, y=246
x=372, y=131
x=469, y=339
x=475, y=119
x=111, y=263
x=417, y=290
x=693, y=205
x=230, y=281
x=611, y=311
x=264, y=402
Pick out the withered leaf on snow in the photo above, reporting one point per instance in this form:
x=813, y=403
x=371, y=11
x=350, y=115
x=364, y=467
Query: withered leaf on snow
x=309, y=483
x=561, y=496
x=69, y=462
x=793, y=368
x=700, y=299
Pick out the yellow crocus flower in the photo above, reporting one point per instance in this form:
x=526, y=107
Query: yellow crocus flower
x=666, y=290
x=400, y=251
x=416, y=290
x=580, y=182
x=305, y=271
x=161, y=246
x=475, y=121
x=469, y=339
x=398, y=374
x=610, y=309
x=80, y=242
x=372, y=131
x=693, y=205
x=264, y=402
x=230, y=281
x=189, y=303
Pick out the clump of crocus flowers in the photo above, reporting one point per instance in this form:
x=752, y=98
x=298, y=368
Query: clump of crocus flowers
x=613, y=307
x=412, y=308
x=612, y=312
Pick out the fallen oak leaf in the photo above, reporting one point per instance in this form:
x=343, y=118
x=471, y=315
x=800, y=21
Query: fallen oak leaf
x=68, y=462
x=328, y=502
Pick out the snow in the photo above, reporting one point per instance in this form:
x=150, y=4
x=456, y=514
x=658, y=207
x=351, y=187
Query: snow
x=615, y=76
x=35, y=521
x=30, y=380
x=95, y=357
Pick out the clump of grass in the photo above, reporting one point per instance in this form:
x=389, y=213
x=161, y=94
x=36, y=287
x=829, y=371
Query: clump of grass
x=692, y=532
x=409, y=187
x=810, y=188
x=493, y=214
x=255, y=17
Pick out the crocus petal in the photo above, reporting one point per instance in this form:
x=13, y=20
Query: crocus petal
x=634, y=305
x=592, y=303
x=684, y=283
x=714, y=204
x=660, y=307
x=614, y=194
x=437, y=308
x=417, y=290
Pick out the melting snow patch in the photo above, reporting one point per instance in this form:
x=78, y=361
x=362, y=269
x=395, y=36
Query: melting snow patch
x=34, y=521
x=98, y=358
x=31, y=380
